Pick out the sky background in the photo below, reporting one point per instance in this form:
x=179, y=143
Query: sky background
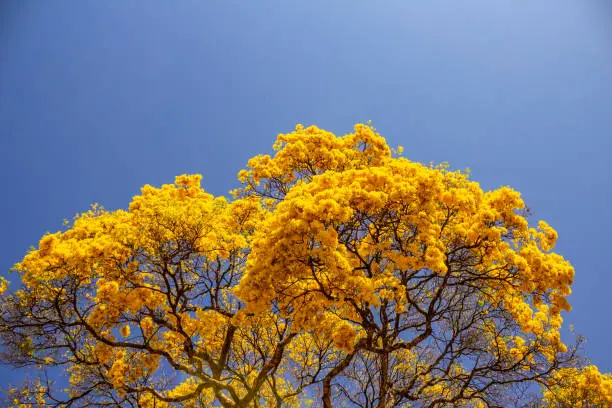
x=99, y=98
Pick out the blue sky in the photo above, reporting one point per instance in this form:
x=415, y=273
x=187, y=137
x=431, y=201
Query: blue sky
x=98, y=98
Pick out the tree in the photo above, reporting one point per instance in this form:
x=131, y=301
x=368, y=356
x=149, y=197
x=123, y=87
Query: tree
x=339, y=274
x=579, y=387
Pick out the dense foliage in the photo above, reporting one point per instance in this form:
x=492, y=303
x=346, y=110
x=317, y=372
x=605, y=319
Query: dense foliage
x=339, y=274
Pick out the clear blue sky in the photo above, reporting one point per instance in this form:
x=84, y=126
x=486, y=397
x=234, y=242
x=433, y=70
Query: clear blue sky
x=98, y=98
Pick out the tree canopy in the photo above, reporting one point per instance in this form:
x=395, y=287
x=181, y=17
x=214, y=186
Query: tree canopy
x=339, y=273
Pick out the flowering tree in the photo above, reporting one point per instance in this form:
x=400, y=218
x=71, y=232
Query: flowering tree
x=339, y=274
